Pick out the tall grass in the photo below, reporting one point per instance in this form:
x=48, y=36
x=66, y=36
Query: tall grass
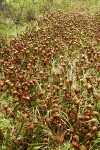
x=17, y=13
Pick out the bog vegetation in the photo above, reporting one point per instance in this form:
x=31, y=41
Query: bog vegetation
x=15, y=15
x=50, y=83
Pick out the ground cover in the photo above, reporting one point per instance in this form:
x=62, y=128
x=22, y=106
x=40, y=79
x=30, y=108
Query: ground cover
x=50, y=85
x=15, y=15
